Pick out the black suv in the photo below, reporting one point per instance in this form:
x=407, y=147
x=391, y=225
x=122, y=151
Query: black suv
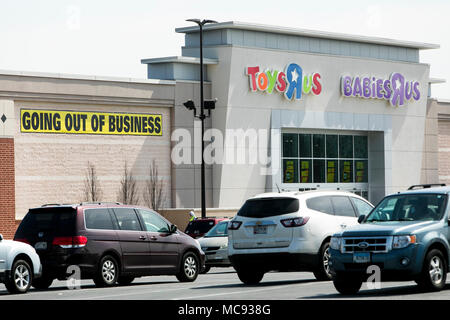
x=111, y=243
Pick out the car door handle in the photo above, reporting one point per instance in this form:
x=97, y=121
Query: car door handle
x=153, y=238
x=343, y=225
x=142, y=237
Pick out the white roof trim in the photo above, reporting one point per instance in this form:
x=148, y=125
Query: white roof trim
x=82, y=77
x=179, y=59
x=309, y=33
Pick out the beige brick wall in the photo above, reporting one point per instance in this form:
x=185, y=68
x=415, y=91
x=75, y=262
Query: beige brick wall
x=444, y=151
x=51, y=168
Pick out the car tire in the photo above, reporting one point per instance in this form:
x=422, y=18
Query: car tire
x=347, y=285
x=189, y=268
x=322, y=273
x=42, y=283
x=205, y=270
x=125, y=280
x=250, y=277
x=107, y=273
x=20, y=278
x=434, y=271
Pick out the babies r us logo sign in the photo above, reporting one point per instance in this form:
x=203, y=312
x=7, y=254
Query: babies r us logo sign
x=292, y=82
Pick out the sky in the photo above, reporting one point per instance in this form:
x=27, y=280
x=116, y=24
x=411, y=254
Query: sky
x=110, y=37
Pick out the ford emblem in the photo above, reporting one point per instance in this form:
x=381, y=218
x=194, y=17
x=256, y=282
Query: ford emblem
x=363, y=245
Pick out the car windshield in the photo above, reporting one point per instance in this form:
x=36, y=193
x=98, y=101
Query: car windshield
x=409, y=207
x=220, y=230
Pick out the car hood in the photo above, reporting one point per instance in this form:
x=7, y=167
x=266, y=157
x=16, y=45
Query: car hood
x=213, y=241
x=386, y=228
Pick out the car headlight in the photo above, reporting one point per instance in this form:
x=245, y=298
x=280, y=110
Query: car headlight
x=335, y=243
x=400, y=242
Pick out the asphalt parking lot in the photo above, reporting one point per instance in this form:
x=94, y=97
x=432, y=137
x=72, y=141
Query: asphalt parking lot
x=223, y=284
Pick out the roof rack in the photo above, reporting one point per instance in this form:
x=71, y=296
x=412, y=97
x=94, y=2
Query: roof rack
x=426, y=186
x=99, y=203
x=51, y=204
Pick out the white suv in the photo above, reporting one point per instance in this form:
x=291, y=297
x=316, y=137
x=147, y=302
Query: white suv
x=290, y=231
x=19, y=265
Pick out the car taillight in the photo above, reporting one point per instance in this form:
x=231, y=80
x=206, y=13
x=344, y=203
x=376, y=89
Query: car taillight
x=234, y=225
x=70, y=242
x=294, y=222
x=22, y=240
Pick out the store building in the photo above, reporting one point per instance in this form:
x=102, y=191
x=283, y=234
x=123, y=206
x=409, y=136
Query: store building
x=296, y=110
x=343, y=112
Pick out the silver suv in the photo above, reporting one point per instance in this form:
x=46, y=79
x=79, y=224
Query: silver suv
x=290, y=231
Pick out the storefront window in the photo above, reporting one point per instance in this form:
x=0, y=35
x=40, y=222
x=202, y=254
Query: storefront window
x=290, y=171
x=332, y=171
x=319, y=171
x=332, y=146
x=305, y=171
x=325, y=158
x=360, y=147
x=345, y=146
x=361, y=171
x=346, y=170
x=290, y=145
x=305, y=145
x=319, y=146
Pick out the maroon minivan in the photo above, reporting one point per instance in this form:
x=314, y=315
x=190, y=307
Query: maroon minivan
x=111, y=243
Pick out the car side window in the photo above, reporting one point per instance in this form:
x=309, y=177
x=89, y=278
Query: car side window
x=98, y=219
x=152, y=222
x=321, y=204
x=127, y=219
x=342, y=206
x=362, y=207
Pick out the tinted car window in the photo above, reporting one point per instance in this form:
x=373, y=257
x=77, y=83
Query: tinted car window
x=152, y=222
x=127, y=219
x=268, y=207
x=321, y=204
x=201, y=226
x=59, y=221
x=362, y=207
x=98, y=219
x=342, y=206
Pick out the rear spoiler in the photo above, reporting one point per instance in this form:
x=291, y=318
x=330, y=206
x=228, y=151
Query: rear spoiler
x=426, y=186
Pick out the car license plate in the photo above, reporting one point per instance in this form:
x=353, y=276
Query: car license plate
x=40, y=246
x=260, y=230
x=361, y=257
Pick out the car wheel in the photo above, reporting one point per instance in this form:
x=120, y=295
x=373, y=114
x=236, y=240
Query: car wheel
x=250, y=276
x=205, y=270
x=20, y=278
x=42, y=283
x=347, y=285
x=124, y=281
x=323, y=270
x=189, y=268
x=434, y=271
x=107, y=273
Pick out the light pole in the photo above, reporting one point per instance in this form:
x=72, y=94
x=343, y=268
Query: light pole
x=211, y=104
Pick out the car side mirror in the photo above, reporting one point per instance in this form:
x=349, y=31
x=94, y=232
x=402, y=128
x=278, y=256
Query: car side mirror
x=361, y=218
x=173, y=228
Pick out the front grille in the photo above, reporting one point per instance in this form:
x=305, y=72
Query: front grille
x=366, y=244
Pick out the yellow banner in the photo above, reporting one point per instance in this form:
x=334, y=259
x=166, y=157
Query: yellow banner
x=46, y=121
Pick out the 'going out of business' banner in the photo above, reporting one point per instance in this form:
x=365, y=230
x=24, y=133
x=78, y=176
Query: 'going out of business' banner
x=47, y=121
